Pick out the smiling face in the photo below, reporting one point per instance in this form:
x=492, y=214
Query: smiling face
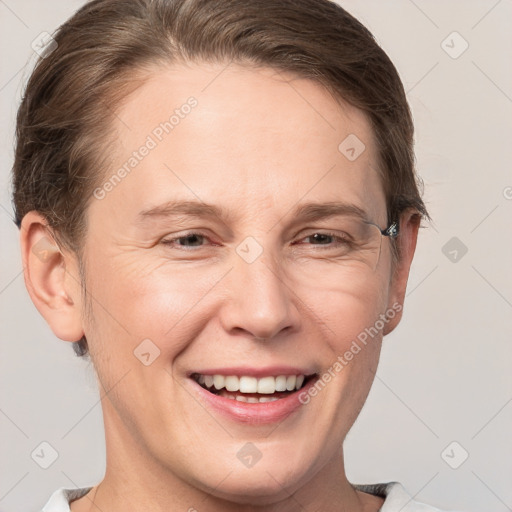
x=201, y=264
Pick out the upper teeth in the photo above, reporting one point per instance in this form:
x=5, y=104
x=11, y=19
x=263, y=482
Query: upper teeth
x=247, y=384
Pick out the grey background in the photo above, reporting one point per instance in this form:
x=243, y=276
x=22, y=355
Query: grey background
x=445, y=372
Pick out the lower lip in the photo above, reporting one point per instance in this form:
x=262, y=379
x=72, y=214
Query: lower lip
x=253, y=413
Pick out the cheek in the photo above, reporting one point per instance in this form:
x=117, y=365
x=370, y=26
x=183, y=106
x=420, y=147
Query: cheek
x=132, y=301
x=355, y=338
x=351, y=324
x=347, y=306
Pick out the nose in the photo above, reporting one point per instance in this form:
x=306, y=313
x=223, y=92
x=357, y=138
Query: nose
x=259, y=302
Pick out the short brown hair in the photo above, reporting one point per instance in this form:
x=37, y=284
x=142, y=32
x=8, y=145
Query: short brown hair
x=106, y=48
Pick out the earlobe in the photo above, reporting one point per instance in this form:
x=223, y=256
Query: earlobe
x=409, y=226
x=51, y=278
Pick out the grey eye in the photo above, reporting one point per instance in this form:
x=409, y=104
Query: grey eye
x=192, y=240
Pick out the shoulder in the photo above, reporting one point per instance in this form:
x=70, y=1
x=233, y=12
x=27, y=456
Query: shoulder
x=396, y=498
x=60, y=499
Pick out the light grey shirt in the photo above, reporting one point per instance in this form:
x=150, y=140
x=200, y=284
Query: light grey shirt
x=396, y=498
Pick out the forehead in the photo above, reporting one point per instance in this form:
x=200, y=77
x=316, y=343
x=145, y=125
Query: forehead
x=254, y=138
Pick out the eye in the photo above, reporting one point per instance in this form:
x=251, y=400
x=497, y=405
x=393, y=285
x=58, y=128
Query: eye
x=187, y=240
x=321, y=238
x=326, y=239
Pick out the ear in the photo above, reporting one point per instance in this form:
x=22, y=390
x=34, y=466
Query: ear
x=406, y=240
x=51, y=277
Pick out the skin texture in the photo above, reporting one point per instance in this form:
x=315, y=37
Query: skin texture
x=258, y=144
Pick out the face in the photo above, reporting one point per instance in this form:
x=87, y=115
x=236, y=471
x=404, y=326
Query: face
x=202, y=263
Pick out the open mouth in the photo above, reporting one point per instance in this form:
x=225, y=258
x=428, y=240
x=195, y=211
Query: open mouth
x=251, y=389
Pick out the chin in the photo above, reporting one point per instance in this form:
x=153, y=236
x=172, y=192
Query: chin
x=262, y=484
x=255, y=489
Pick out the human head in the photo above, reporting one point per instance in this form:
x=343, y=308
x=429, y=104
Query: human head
x=70, y=100
x=255, y=149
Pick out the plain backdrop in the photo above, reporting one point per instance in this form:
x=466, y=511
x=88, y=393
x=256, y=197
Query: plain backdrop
x=443, y=391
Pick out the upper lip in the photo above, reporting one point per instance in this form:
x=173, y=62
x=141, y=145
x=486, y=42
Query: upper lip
x=269, y=371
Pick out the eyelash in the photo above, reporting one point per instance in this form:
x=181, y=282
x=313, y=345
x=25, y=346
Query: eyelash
x=171, y=241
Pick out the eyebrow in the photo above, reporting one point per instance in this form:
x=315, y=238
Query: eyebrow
x=192, y=208
x=318, y=211
x=303, y=212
